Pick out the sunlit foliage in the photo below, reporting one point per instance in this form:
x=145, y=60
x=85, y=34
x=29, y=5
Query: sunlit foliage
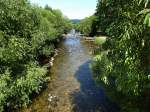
x=85, y=25
x=128, y=59
x=26, y=33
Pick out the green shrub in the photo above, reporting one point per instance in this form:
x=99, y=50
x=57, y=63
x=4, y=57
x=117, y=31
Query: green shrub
x=5, y=91
x=100, y=40
x=31, y=80
x=101, y=67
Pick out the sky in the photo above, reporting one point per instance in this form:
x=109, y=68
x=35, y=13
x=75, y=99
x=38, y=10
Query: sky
x=73, y=9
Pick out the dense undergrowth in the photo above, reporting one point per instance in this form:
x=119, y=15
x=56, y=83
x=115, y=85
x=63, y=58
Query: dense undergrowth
x=26, y=33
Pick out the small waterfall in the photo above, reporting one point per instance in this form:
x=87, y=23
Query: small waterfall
x=73, y=34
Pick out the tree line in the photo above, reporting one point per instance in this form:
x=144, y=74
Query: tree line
x=85, y=25
x=27, y=33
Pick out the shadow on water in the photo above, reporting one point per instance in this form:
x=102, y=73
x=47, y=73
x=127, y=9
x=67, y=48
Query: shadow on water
x=90, y=98
x=73, y=84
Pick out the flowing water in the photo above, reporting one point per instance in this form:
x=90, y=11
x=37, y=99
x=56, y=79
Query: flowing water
x=74, y=89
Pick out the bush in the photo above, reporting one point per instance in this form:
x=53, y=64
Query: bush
x=31, y=80
x=100, y=40
x=5, y=91
x=101, y=67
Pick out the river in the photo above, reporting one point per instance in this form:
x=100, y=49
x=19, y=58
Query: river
x=73, y=89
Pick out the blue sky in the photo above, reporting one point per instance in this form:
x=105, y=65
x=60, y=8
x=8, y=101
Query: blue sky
x=74, y=9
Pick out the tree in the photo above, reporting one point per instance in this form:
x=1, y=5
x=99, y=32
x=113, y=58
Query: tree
x=26, y=33
x=127, y=58
x=84, y=26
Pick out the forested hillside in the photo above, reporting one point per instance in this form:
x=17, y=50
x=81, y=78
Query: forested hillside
x=75, y=21
x=26, y=33
x=124, y=62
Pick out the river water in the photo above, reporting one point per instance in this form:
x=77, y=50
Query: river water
x=73, y=89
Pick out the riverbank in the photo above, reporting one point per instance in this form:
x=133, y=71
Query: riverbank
x=88, y=38
x=73, y=88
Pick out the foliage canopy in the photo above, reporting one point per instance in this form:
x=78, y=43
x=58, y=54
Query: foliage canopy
x=26, y=33
x=127, y=62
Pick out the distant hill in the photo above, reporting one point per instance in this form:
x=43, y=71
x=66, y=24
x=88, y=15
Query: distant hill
x=75, y=21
